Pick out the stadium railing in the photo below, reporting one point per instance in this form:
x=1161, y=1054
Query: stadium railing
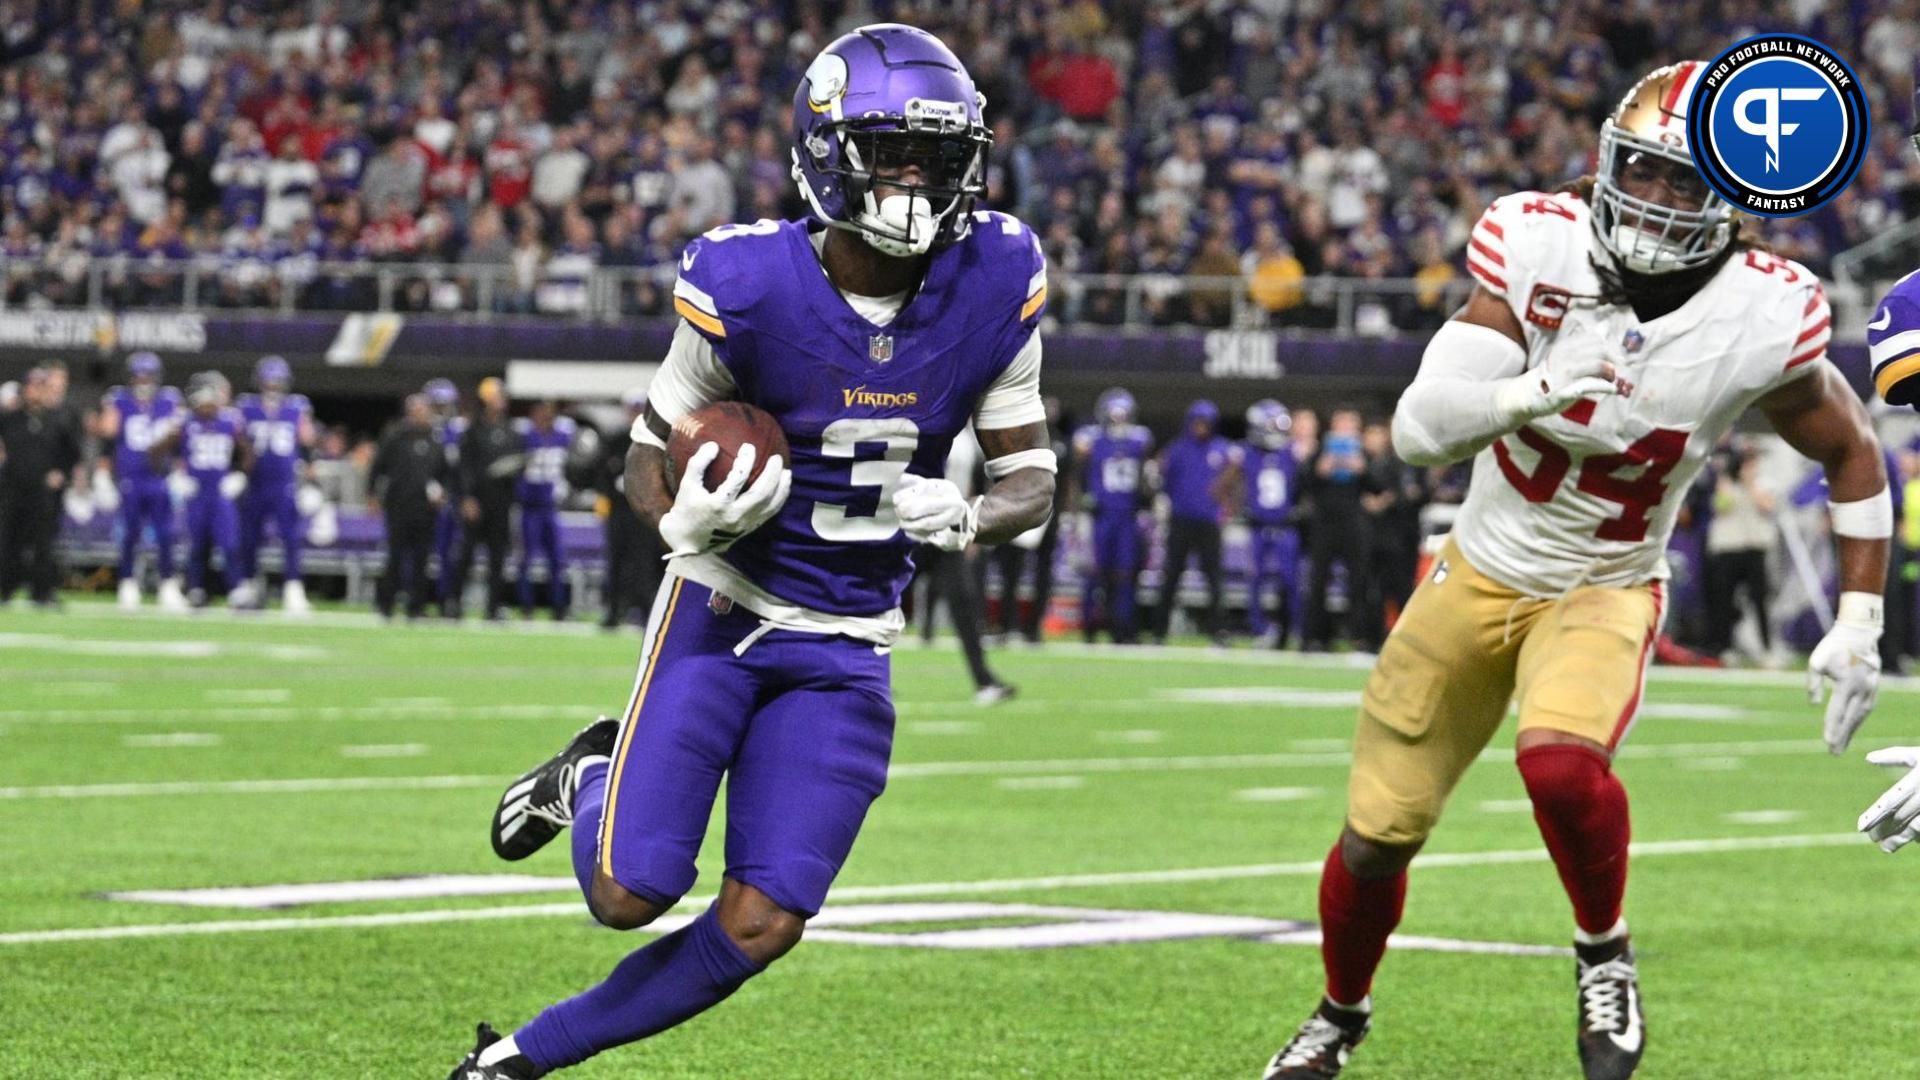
x=1346, y=305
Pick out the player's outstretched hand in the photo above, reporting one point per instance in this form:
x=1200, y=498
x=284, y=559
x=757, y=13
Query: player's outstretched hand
x=704, y=520
x=1850, y=656
x=1564, y=379
x=932, y=511
x=1893, y=821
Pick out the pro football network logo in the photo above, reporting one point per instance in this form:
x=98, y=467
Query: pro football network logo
x=1778, y=125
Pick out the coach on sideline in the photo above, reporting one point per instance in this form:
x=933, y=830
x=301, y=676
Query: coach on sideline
x=38, y=451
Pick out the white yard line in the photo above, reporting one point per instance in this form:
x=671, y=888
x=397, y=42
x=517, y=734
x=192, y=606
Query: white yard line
x=914, y=770
x=249, y=787
x=574, y=909
x=385, y=750
x=288, y=713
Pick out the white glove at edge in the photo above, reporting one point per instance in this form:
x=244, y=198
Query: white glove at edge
x=1893, y=821
x=702, y=520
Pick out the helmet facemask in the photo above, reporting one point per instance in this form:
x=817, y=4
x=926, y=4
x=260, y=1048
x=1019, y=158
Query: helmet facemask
x=901, y=218
x=1646, y=236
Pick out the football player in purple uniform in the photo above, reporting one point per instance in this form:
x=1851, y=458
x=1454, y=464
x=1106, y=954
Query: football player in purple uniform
x=1272, y=470
x=1200, y=473
x=874, y=333
x=280, y=428
x=211, y=442
x=1113, y=452
x=135, y=418
x=546, y=439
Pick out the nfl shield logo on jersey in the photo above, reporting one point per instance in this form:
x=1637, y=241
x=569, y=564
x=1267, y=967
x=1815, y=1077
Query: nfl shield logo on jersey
x=1633, y=340
x=880, y=348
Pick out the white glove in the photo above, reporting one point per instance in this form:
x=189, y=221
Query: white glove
x=702, y=520
x=1562, y=380
x=308, y=500
x=934, y=512
x=1893, y=821
x=232, y=484
x=1850, y=656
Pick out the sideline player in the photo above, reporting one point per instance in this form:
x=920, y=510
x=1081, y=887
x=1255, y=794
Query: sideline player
x=1113, y=453
x=211, y=441
x=545, y=440
x=1272, y=471
x=874, y=334
x=1611, y=342
x=280, y=427
x=135, y=418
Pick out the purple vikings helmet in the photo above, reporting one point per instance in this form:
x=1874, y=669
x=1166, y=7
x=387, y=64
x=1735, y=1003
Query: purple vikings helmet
x=273, y=374
x=441, y=393
x=1115, y=408
x=1268, y=423
x=876, y=102
x=1203, y=411
x=143, y=365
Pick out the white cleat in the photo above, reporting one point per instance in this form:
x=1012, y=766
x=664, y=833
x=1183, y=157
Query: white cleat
x=171, y=598
x=129, y=594
x=293, y=597
x=244, y=596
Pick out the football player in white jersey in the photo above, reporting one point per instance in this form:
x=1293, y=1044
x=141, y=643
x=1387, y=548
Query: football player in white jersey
x=1615, y=334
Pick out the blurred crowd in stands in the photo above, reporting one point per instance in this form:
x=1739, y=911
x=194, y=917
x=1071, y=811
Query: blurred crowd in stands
x=527, y=146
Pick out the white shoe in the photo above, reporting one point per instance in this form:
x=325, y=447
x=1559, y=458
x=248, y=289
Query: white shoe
x=129, y=594
x=171, y=598
x=993, y=694
x=293, y=597
x=244, y=596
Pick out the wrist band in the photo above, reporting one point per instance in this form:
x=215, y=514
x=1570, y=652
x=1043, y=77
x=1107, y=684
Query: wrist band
x=1864, y=519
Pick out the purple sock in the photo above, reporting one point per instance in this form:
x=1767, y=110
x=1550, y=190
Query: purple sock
x=670, y=981
x=589, y=804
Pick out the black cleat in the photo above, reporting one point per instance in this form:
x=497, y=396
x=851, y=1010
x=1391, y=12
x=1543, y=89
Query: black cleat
x=517, y=1067
x=1319, y=1050
x=1613, y=1031
x=538, y=805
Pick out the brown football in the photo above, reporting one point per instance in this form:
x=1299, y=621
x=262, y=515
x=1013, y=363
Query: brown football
x=732, y=424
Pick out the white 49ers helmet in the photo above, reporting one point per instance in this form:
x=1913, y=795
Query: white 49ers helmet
x=1643, y=145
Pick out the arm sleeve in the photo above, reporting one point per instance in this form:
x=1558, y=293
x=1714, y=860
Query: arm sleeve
x=691, y=376
x=1449, y=411
x=1013, y=399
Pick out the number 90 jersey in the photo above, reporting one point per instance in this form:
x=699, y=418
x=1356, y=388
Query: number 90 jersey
x=1590, y=496
x=861, y=404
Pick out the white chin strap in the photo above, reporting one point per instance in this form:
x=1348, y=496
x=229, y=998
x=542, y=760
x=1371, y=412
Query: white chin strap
x=895, y=217
x=1644, y=253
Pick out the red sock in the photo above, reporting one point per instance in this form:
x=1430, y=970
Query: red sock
x=1582, y=812
x=1355, y=918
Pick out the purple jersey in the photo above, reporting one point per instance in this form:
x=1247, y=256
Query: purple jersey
x=273, y=426
x=861, y=405
x=207, y=443
x=1270, y=483
x=142, y=424
x=1115, y=461
x=1189, y=472
x=543, y=479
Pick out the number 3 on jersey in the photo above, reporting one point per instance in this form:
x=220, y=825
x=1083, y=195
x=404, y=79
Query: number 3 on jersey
x=1655, y=455
x=833, y=521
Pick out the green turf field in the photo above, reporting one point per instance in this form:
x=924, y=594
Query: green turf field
x=154, y=754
